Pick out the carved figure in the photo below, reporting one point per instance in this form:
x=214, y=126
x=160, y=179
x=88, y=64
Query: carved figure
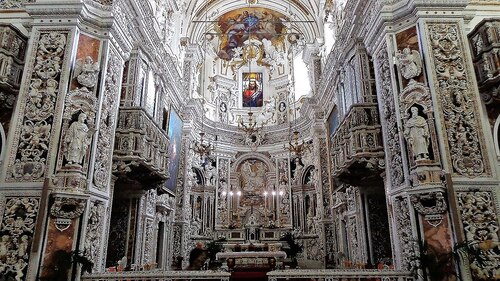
x=35, y=94
x=4, y=246
x=86, y=72
x=210, y=174
x=409, y=62
x=22, y=249
x=417, y=134
x=77, y=140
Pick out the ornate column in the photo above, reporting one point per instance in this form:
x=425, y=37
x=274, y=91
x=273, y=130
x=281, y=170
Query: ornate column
x=62, y=137
x=432, y=184
x=466, y=151
x=403, y=225
x=312, y=58
x=192, y=60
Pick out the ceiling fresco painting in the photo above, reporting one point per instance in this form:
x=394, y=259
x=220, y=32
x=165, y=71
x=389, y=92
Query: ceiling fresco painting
x=246, y=34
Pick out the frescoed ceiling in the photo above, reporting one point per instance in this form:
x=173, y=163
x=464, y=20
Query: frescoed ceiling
x=302, y=17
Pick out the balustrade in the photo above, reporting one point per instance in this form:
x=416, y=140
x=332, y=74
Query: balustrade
x=140, y=145
x=339, y=274
x=157, y=276
x=357, y=143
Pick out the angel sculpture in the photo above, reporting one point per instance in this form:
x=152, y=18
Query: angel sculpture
x=86, y=72
x=273, y=57
x=410, y=63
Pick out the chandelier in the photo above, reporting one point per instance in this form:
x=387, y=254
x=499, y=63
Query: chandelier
x=251, y=127
x=202, y=148
x=298, y=148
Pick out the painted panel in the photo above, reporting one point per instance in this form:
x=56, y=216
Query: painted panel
x=253, y=94
x=175, y=135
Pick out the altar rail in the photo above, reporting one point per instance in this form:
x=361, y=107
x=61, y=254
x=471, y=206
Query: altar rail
x=157, y=276
x=339, y=274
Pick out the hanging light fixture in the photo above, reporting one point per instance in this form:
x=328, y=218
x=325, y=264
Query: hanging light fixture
x=296, y=146
x=202, y=147
x=251, y=127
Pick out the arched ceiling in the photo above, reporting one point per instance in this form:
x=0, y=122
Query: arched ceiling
x=302, y=16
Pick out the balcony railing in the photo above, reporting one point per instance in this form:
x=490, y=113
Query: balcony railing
x=141, y=146
x=485, y=46
x=158, y=276
x=339, y=274
x=357, y=145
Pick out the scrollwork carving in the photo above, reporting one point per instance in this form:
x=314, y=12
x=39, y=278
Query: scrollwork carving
x=67, y=208
x=455, y=95
x=480, y=225
x=35, y=131
x=102, y=168
x=93, y=237
x=389, y=123
x=17, y=227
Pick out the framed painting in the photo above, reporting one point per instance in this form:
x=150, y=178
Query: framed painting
x=175, y=135
x=253, y=94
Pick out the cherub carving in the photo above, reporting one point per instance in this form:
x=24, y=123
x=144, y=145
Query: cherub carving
x=410, y=63
x=86, y=72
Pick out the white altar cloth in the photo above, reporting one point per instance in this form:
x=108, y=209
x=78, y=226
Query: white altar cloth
x=235, y=255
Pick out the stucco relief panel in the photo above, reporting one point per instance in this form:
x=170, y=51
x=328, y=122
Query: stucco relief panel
x=456, y=98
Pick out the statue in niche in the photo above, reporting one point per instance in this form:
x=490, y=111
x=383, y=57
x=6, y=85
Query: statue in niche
x=409, y=62
x=77, y=140
x=416, y=133
x=210, y=173
x=298, y=171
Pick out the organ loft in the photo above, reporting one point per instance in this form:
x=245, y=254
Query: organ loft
x=233, y=139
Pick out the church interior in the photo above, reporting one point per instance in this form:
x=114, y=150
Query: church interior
x=233, y=139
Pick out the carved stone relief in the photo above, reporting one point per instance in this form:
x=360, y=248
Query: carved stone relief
x=94, y=232
x=389, y=121
x=65, y=209
x=12, y=4
x=16, y=234
x=325, y=177
x=109, y=110
x=456, y=99
x=28, y=163
x=223, y=190
x=430, y=205
x=480, y=225
x=410, y=63
x=407, y=242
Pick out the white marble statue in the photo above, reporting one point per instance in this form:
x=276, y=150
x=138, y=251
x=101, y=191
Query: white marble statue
x=417, y=134
x=77, y=140
x=409, y=62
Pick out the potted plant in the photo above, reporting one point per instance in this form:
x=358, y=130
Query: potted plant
x=292, y=248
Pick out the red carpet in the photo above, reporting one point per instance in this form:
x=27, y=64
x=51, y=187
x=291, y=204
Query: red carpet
x=246, y=274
